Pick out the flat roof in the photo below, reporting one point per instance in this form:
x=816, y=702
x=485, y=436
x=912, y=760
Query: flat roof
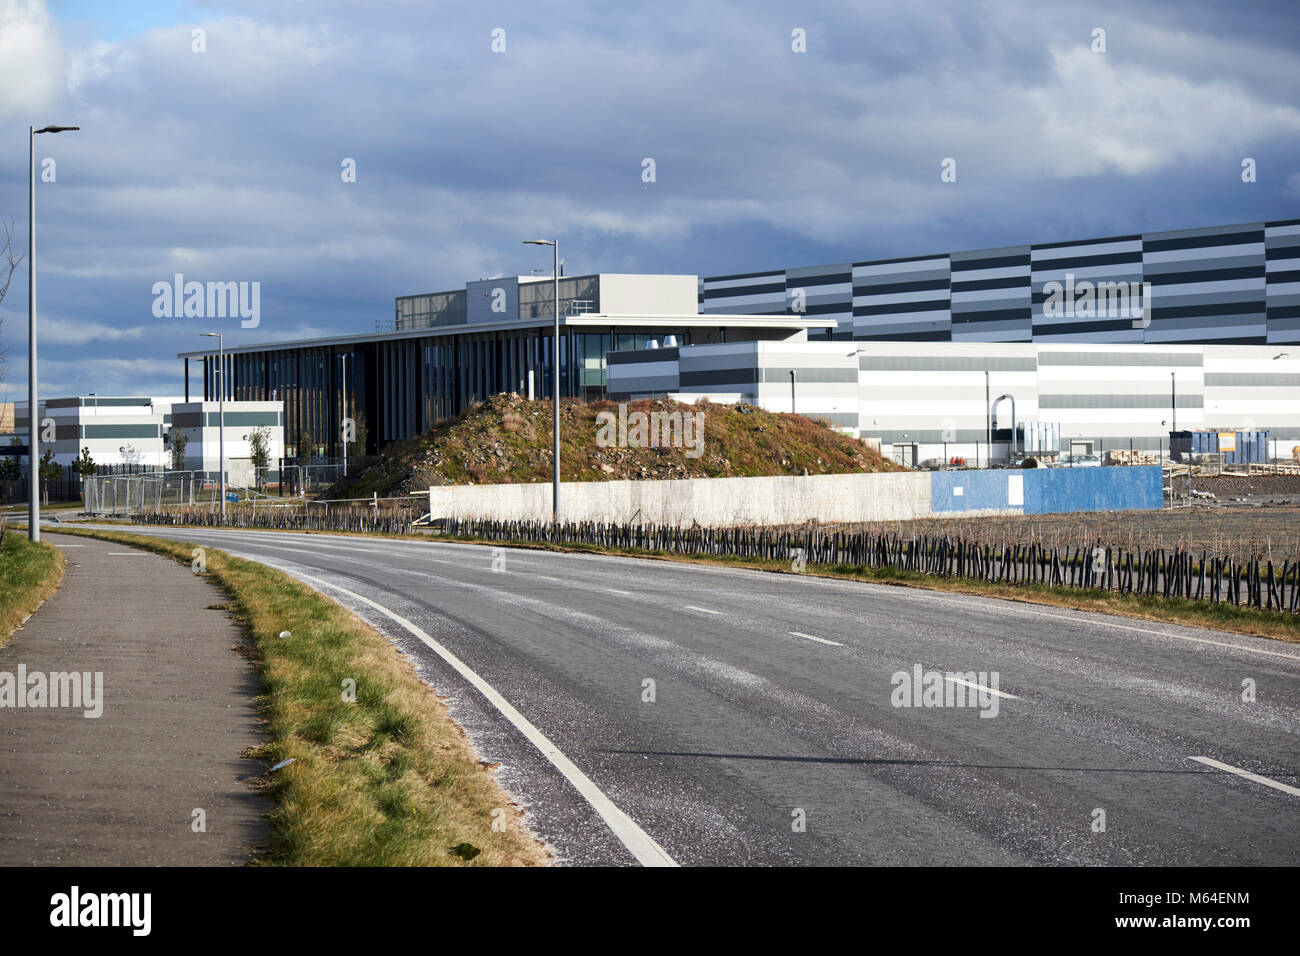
x=585, y=320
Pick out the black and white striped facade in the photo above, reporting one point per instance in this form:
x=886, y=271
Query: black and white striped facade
x=935, y=395
x=1235, y=284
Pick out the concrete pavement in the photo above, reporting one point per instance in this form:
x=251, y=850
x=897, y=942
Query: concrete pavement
x=175, y=702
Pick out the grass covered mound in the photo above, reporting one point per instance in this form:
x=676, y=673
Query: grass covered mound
x=507, y=440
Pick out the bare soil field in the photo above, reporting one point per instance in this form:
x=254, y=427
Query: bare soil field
x=1234, y=486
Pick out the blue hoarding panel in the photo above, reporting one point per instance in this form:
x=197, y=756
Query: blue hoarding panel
x=1048, y=490
x=1061, y=490
x=976, y=490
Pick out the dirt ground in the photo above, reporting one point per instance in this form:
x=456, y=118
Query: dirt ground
x=1231, y=486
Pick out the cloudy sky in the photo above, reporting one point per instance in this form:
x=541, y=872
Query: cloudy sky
x=225, y=164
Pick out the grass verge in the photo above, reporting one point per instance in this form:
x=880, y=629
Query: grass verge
x=29, y=573
x=388, y=779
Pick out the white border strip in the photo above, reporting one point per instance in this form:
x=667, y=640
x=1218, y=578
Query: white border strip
x=1285, y=788
x=639, y=843
x=981, y=687
x=819, y=640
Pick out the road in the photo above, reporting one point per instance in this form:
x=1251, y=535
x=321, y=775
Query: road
x=770, y=732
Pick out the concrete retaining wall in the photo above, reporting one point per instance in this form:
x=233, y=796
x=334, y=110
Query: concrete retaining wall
x=894, y=496
x=713, y=502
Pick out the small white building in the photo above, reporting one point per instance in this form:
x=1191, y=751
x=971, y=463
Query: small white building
x=138, y=430
x=200, y=423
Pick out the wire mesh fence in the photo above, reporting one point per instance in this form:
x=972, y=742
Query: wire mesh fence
x=387, y=521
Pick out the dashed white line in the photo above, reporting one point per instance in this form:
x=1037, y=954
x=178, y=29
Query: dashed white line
x=987, y=690
x=819, y=640
x=1094, y=621
x=1228, y=768
x=639, y=843
x=617, y=591
x=702, y=610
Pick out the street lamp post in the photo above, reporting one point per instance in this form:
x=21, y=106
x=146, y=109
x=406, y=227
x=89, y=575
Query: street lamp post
x=221, y=418
x=343, y=413
x=555, y=382
x=1173, y=403
x=33, y=446
x=988, y=426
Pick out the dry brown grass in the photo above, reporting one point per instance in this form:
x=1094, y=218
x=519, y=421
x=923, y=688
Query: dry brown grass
x=29, y=574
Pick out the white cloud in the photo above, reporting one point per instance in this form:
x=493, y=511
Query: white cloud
x=1101, y=115
x=32, y=60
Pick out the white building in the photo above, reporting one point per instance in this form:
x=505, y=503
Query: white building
x=938, y=400
x=137, y=431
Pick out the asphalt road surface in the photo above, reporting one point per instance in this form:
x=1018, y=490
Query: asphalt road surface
x=773, y=731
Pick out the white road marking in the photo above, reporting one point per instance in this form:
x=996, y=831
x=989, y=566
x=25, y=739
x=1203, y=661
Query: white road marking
x=819, y=640
x=1016, y=608
x=1285, y=788
x=987, y=690
x=639, y=843
x=617, y=591
x=702, y=610
x=547, y=577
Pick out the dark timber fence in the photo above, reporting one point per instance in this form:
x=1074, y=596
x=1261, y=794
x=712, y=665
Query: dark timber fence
x=1153, y=572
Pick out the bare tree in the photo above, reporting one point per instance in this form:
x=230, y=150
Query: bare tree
x=8, y=266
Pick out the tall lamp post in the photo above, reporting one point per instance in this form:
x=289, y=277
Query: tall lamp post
x=33, y=446
x=343, y=412
x=221, y=419
x=555, y=382
x=1173, y=402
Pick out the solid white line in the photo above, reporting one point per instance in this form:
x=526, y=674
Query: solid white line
x=819, y=640
x=1285, y=788
x=617, y=591
x=639, y=843
x=547, y=577
x=702, y=610
x=989, y=690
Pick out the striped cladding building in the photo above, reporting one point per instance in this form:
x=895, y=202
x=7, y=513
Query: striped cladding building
x=1223, y=284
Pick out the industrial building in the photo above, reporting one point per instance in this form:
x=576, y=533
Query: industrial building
x=1097, y=343
x=1235, y=284
x=136, y=431
x=924, y=401
x=446, y=350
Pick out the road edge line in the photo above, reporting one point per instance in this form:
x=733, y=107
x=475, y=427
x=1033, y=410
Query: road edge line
x=639, y=843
